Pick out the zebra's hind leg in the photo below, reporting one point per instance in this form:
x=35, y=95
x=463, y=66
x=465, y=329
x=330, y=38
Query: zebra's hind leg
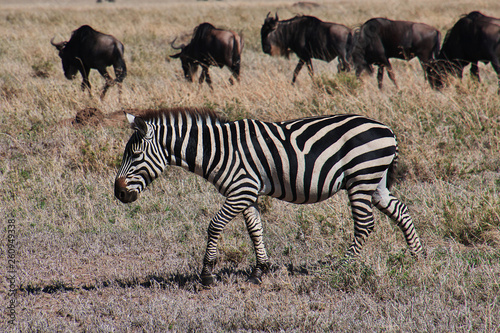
x=254, y=227
x=397, y=211
x=362, y=214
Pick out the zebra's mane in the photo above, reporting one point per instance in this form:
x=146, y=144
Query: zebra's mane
x=191, y=112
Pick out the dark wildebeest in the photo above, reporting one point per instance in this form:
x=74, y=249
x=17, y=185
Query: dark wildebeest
x=88, y=49
x=379, y=39
x=474, y=38
x=309, y=38
x=210, y=46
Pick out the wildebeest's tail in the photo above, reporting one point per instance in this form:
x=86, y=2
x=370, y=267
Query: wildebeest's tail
x=437, y=45
x=121, y=71
x=238, y=44
x=349, y=48
x=120, y=67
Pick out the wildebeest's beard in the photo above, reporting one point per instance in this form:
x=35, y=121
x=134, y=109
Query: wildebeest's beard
x=272, y=45
x=435, y=73
x=360, y=62
x=438, y=71
x=190, y=68
x=266, y=46
x=69, y=67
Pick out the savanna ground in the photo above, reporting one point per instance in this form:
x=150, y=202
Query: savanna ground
x=86, y=262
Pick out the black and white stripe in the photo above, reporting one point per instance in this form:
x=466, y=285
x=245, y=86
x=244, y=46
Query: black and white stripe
x=300, y=161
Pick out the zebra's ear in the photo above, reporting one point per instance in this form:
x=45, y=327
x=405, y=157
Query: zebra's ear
x=130, y=118
x=137, y=124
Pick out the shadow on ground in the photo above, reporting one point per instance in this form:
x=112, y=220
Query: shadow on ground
x=189, y=282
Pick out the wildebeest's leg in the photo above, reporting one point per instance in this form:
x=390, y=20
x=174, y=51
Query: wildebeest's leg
x=297, y=70
x=380, y=76
x=235, y=69
x=398, y=212
x=231, y=208
x=392, y=76
x=85, y=79
x=474, y=71
x=120, y=74
x=254, y=227
x=205, y=76
x=202, y=76
x=424, y=65
x=310, y=67
x=343, y=65
x=109, y=81
x=496, y=66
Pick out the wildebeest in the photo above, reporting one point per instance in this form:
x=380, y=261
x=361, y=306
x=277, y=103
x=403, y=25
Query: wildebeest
x=379, y=39
x=309, y=38
x=89, y=49
x=474, y=38
x=210, y=46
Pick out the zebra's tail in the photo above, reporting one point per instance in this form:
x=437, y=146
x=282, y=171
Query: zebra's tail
x=392, y=173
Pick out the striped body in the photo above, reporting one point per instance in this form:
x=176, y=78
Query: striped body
x=300, y=161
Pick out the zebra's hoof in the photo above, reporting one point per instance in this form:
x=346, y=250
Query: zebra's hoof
x=255, y=280
x=207, y=280
x=419, y=255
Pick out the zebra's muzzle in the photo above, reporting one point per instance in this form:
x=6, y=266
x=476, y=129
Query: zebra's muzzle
x=121, y=192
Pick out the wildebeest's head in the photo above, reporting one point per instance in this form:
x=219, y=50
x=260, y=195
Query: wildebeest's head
x=69, y=61
x=438, y=70
x=361, y=42
x=435, y=73
x=189, y=65
x=270, y=40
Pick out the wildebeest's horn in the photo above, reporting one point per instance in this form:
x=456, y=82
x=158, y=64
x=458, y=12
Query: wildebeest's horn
x=268, y=15
x=177, y=47
x=58, y=46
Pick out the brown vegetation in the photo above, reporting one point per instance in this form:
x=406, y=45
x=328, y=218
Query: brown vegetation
x=86, y=262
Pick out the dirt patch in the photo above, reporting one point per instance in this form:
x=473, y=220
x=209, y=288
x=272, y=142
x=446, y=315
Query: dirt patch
x=93, y=117
x=88, y=117
x=116, y=118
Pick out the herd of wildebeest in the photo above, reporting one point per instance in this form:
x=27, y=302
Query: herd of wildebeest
x=474, y=38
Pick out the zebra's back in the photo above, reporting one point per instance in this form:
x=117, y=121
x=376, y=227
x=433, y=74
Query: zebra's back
x=308, y=160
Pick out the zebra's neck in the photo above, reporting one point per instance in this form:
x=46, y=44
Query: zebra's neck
x=194, y=142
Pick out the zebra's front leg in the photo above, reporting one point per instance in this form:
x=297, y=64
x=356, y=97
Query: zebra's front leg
x=229, y=210
x=254, y=227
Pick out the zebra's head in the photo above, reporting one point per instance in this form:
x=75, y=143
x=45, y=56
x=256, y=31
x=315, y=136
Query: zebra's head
x=139, y=166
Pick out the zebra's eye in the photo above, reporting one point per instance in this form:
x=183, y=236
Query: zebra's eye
x=136, y=154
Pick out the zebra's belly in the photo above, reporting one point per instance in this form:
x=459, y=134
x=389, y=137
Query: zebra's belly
x=302, y=192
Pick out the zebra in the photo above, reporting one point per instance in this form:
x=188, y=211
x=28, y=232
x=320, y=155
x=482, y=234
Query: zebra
x=300, y=161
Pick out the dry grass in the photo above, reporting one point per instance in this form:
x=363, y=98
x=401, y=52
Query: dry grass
x=88, y=263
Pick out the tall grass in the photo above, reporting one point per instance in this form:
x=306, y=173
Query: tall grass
x=89, y=263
